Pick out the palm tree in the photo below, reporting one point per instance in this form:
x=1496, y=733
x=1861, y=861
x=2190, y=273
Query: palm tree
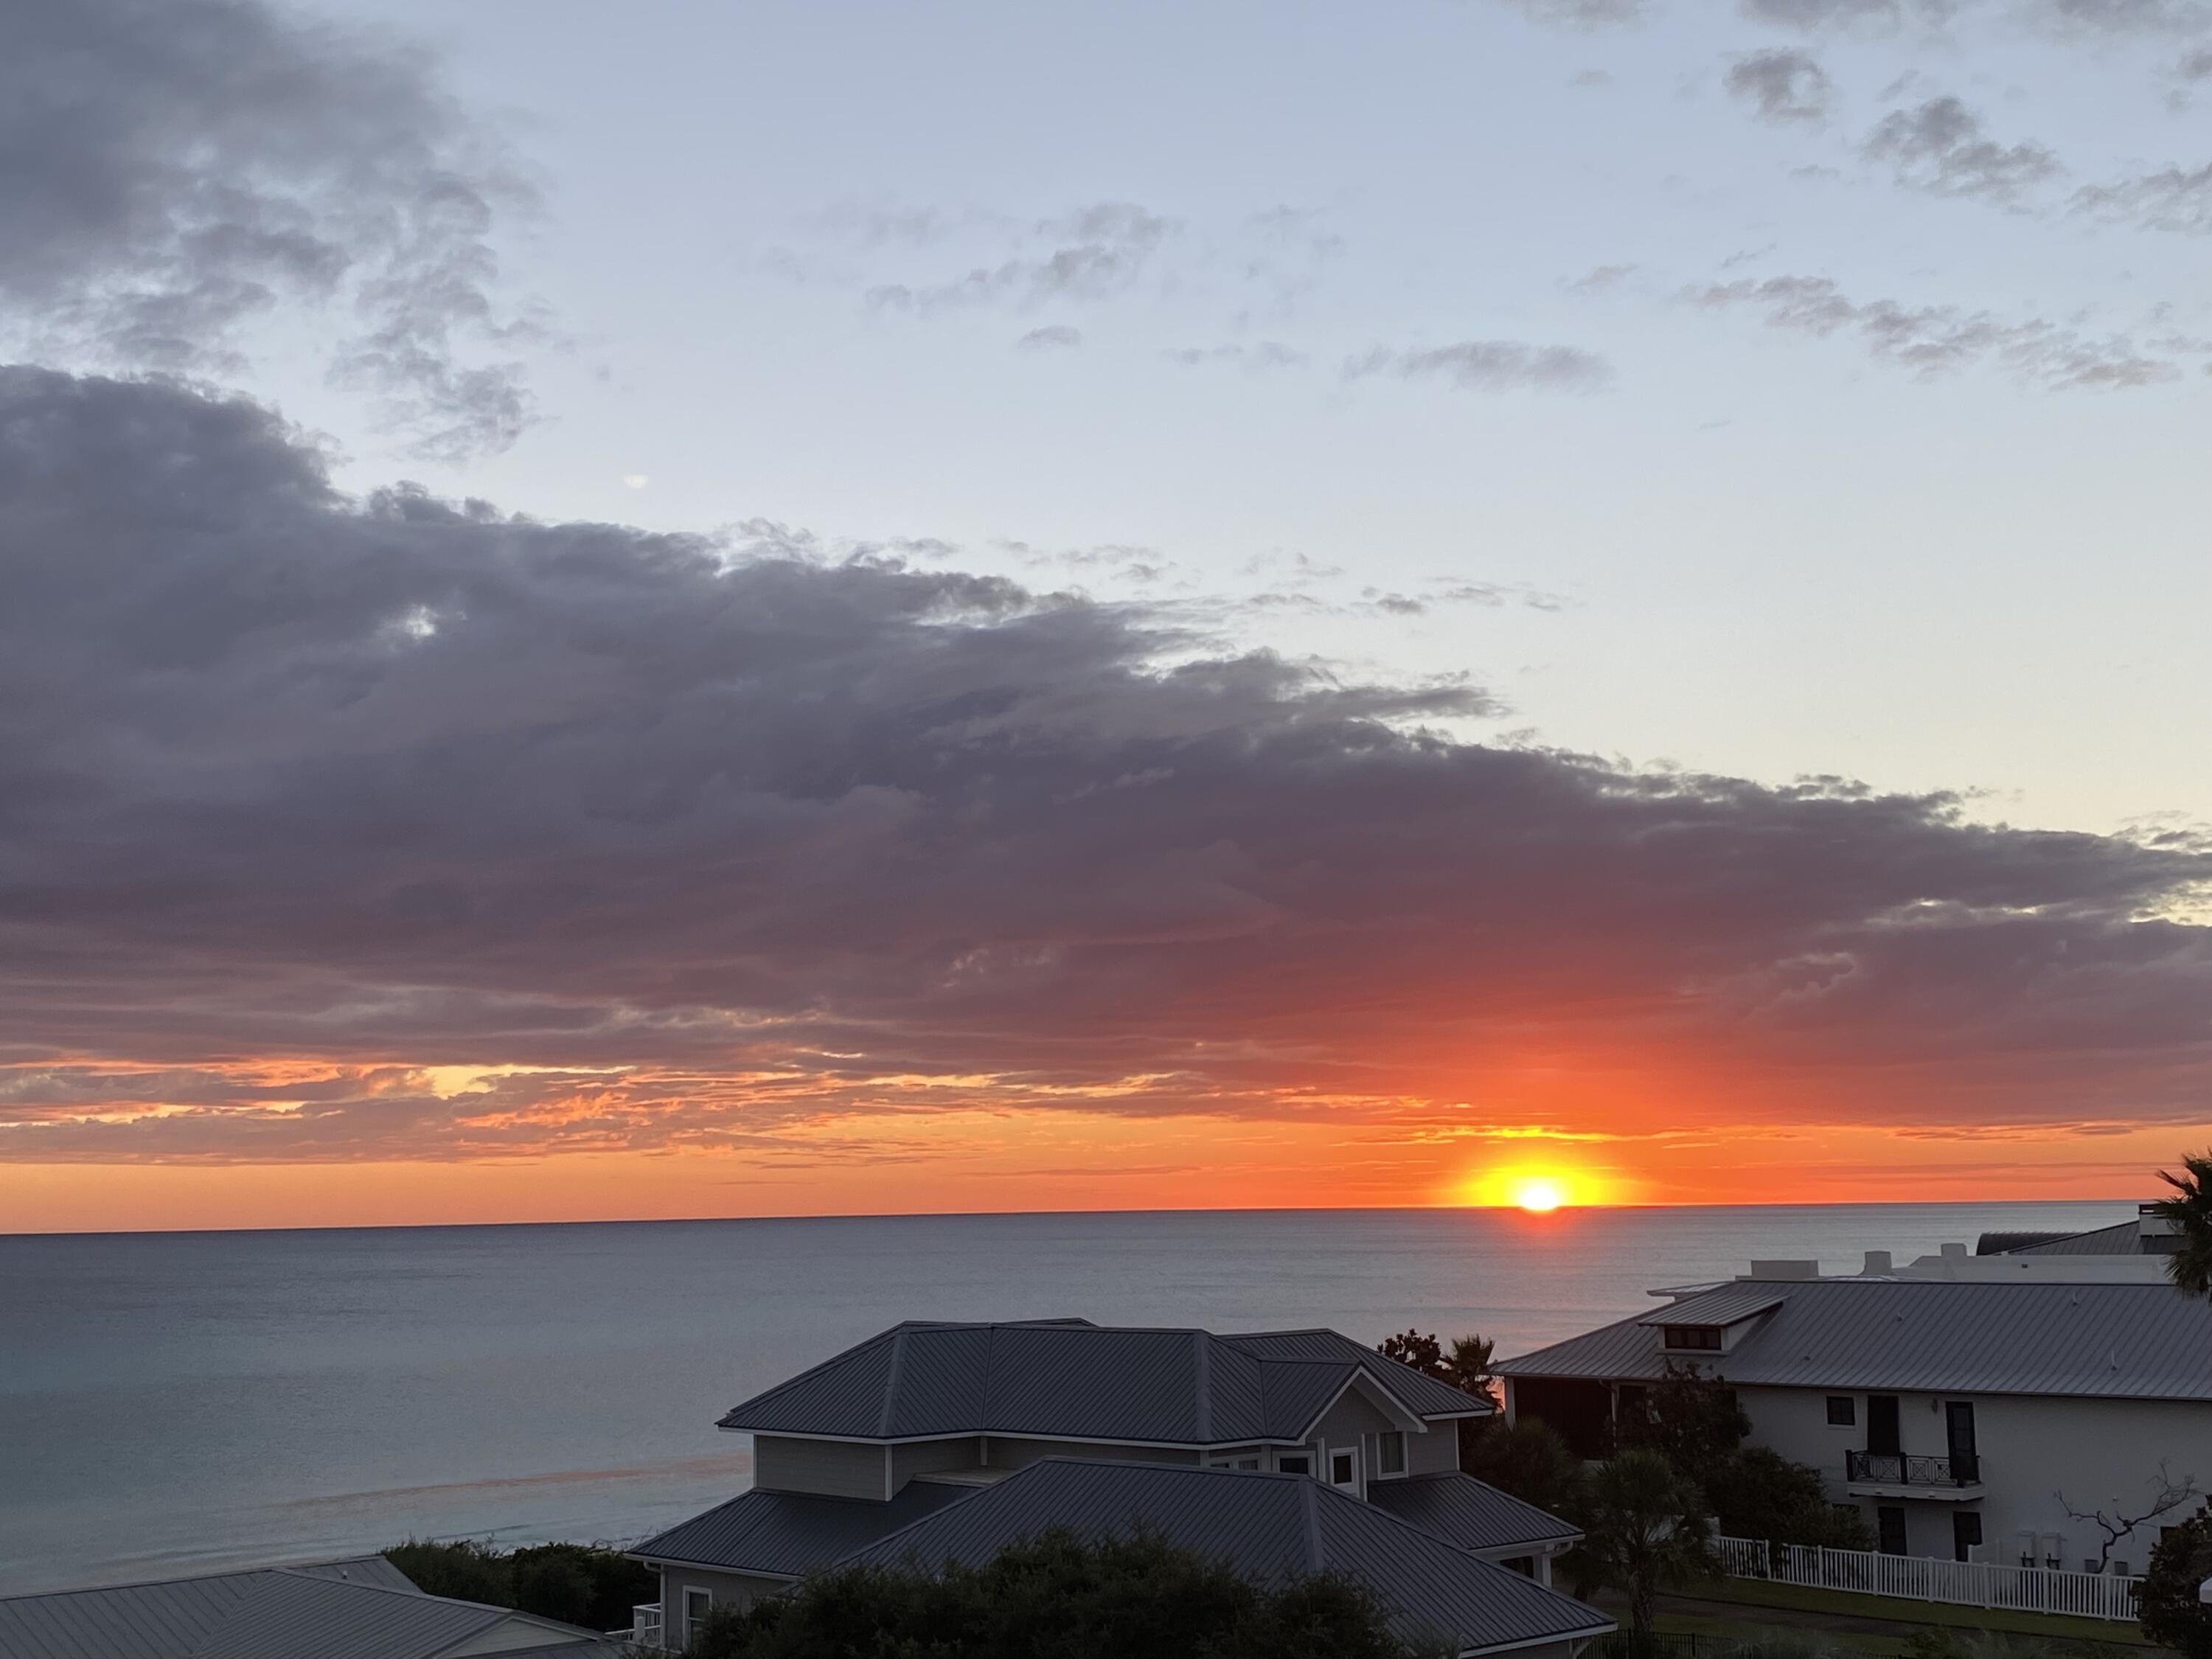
x=1647, y=1533
x=1470, y=1366
x=2190, y=1209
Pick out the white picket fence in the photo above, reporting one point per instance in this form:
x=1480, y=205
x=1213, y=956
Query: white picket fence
x=1924, y=1578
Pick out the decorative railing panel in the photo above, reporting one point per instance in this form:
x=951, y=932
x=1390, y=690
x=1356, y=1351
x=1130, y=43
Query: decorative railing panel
x=1896, y=1469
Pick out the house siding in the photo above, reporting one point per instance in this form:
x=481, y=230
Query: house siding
x=930, y=1457
x=2031, y=1448
x=836, y=1468
x=1352, y=1419
x=1011, y=1452
x=737, y=1590
x=1436, y=1452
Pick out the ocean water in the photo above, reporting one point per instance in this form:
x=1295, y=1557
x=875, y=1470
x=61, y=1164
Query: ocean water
x=180, y=1401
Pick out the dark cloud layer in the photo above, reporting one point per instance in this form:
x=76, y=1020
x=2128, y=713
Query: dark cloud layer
x=301, y=795
x=170, y=169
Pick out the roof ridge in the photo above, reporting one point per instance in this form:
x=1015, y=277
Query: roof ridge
x=299, y=1569
x=1201, y=1355
x=891, y=1381
x=842, y=1354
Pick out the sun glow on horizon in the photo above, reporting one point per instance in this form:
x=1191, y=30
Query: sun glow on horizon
x=1538, y=1193
x=1535, y=1188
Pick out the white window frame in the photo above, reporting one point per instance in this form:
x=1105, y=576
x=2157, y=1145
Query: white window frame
x=1355, y=1485
x=693, y=1620
x=1303, y=1454
x=1405, y=1455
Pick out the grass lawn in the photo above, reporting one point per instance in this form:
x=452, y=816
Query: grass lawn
x=1751, y=1593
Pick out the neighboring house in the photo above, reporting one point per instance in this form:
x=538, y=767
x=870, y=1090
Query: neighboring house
x=1953, y=1411
x=355, y=1609
x=1284, y=1452
x=2146, y=1235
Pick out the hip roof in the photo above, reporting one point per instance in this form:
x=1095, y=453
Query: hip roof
x=2129, y=1341
x=1072, y=1380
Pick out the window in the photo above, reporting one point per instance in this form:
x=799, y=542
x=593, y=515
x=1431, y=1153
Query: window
x=1294, y=1463
x=1390, y=1452
x=1523, y=1565
x=1889, y=1529
x=1251, y=1462
x=1344, y=1468
x=697, y=1604
x=1843, y=1411
x=1704, y=1337
x=1965, y=1534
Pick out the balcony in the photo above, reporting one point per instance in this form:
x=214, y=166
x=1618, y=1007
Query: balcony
x=645, y=1624
x=1886, y=1474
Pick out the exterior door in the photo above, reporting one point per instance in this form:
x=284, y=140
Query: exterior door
x=1958, y=1427
x=1965, y=1534
x=1881, y=1425
x=1889, y=1528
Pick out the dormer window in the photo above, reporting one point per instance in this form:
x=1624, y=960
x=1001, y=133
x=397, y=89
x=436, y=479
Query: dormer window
x=1704, y=1338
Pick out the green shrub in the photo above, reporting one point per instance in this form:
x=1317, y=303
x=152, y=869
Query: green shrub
x=587, y=1584
x=1129, y=1598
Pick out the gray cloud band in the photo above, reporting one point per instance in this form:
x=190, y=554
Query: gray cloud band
x=392, y=783
x=173, y=171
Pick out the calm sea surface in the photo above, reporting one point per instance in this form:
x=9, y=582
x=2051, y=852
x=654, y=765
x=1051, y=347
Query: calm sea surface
x=176, y=1401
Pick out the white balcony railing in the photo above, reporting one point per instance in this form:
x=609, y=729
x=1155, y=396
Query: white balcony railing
x=1924, y=1578
x=645, y=1624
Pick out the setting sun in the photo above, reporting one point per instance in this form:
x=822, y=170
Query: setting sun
x=1537, y=1192
x=1539, y=1188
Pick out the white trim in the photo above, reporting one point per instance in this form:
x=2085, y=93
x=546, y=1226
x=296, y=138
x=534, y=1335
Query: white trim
x=888, y=1493
x=685, y=1621
x=1358, y=1377
x=1588, y=1633
x=1329, y=1451
x=662, y=1563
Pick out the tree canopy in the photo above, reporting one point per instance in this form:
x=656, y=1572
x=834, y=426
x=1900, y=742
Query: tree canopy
x=1059, y=1596
x=2181, y=1560
x=1467, y=1366
x=586, y=1584
x=2190, y=1211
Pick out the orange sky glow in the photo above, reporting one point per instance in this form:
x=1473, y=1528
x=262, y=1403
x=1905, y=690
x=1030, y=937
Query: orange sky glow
x=953, y=1157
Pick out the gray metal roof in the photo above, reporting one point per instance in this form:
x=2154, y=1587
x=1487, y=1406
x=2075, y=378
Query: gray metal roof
x=1470, y=1513
x=1072, y=1380
x=2125, y=1238
x=1725, y=1305
x=2129, y=1341
x=1271, y=1529
x=348, y=1610
x=2008, y=1243
x=788, y=1533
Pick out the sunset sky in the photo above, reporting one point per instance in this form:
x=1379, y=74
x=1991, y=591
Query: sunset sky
x=798, y=608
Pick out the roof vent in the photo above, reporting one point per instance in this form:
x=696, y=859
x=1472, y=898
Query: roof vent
x=1877, y=1261
x=1954, y=1253
x=1786, y=1268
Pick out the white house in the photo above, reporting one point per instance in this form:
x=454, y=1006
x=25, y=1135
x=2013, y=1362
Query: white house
x=1971, y=1408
